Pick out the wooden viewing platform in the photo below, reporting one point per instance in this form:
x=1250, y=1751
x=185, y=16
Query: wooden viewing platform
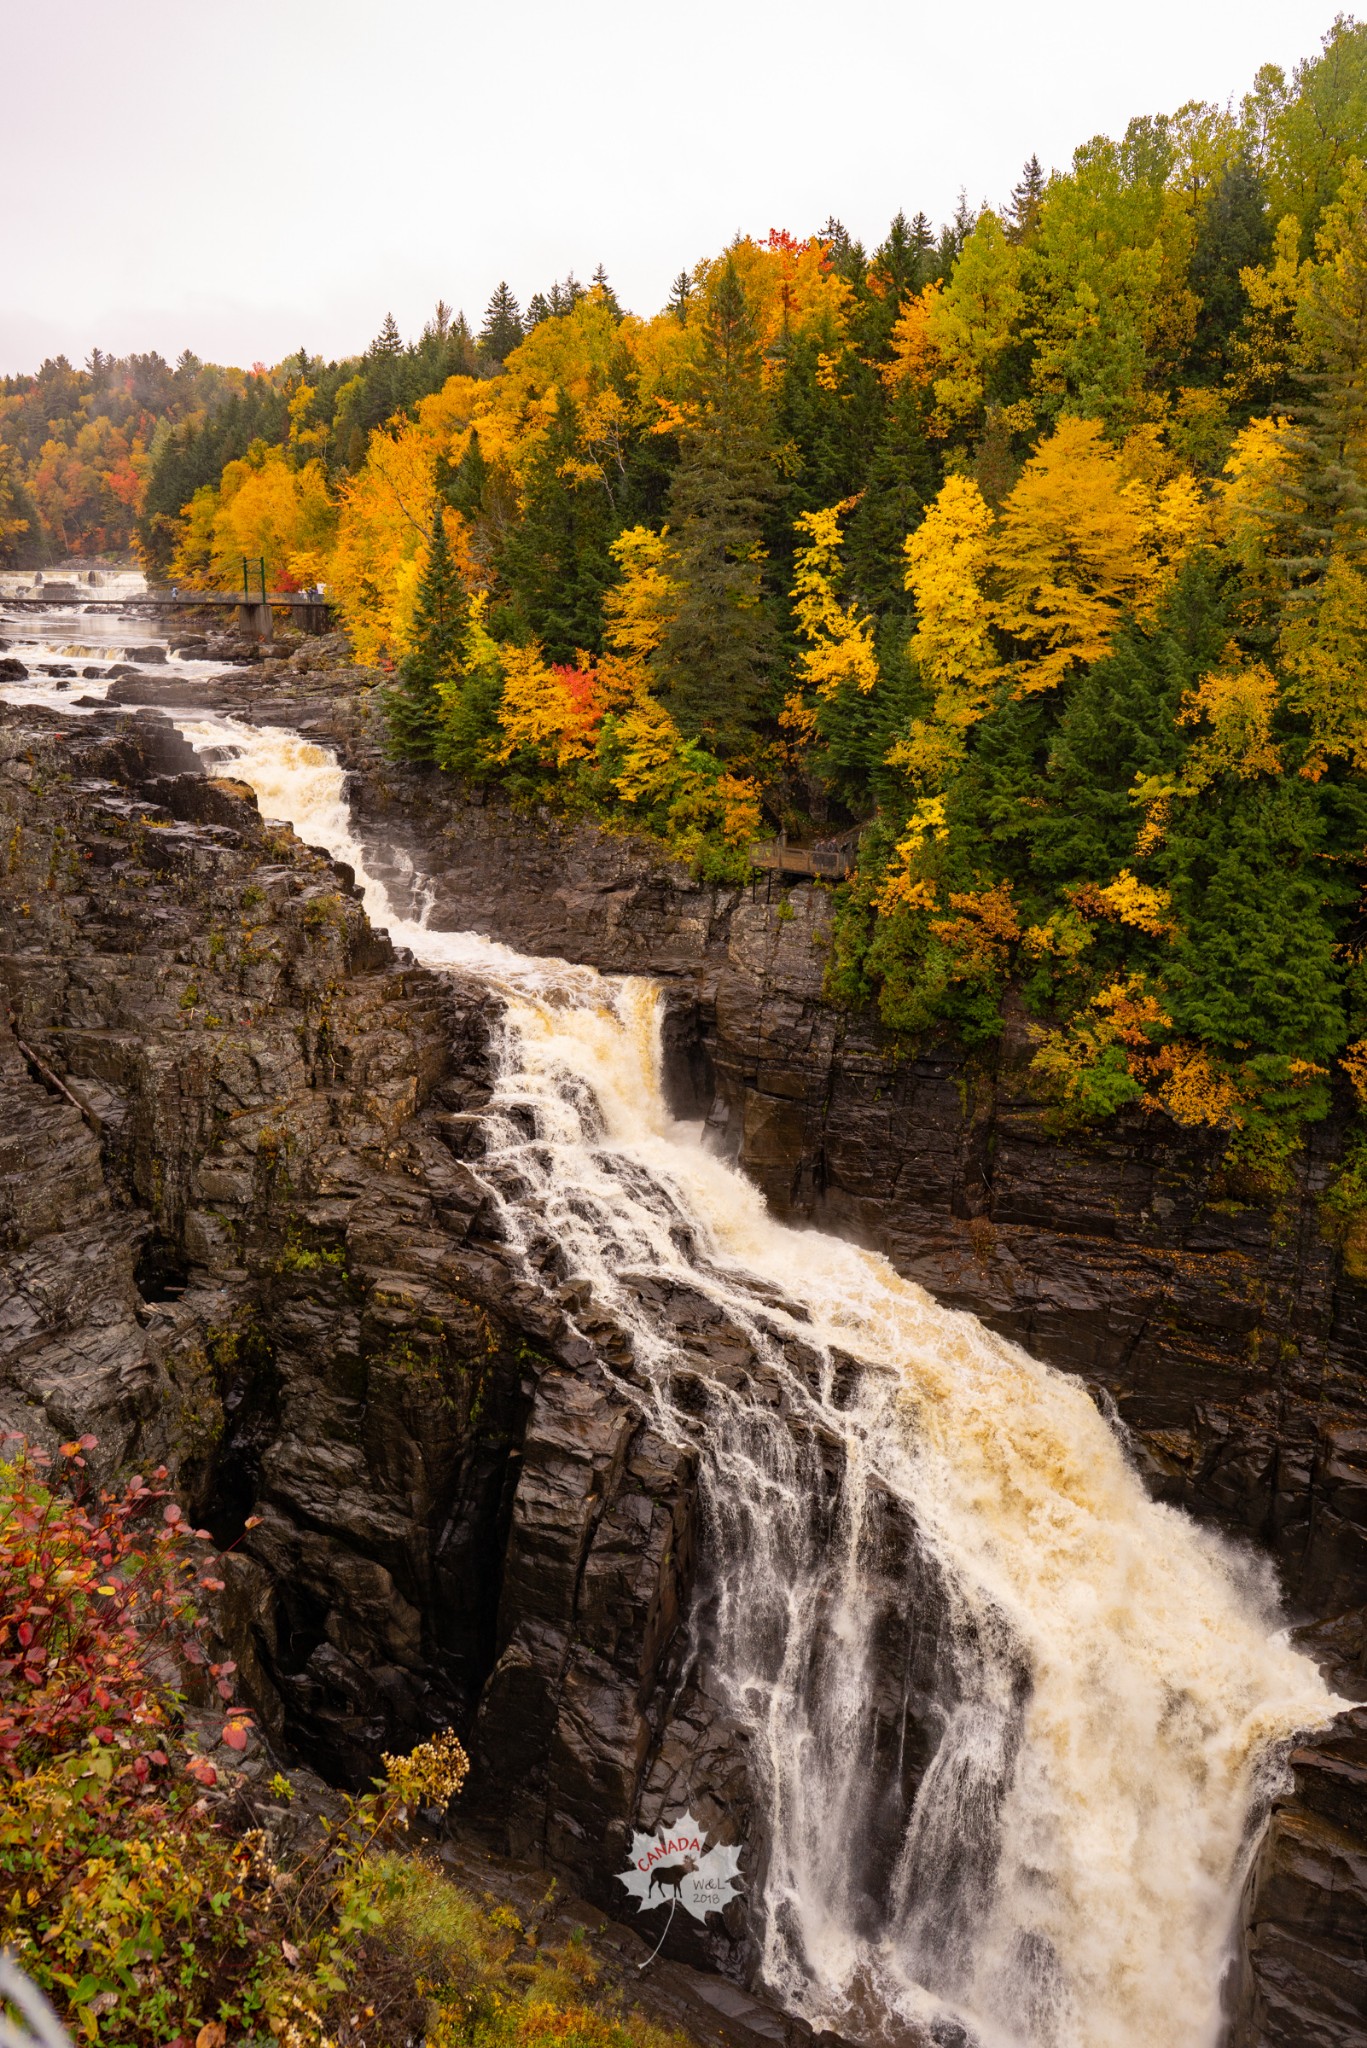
x=831, y=859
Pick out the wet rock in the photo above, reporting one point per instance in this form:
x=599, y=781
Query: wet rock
x=180, y=692
x=12, y=670
x=153, y=653
x=237, y=1240
x=463, y=1517
x=1303, y=1975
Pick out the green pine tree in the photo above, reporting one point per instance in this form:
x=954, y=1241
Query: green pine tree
x=715, y=665
x=1118, y=725
x=502, y=329
x=412, y=707
x=898, y=484
x=1234, y=234
x=554, y=559
x=1254, y=970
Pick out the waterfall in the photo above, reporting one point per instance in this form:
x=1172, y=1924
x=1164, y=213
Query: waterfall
x=1064, y=1871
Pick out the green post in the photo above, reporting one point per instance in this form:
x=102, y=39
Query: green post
x=246, y=587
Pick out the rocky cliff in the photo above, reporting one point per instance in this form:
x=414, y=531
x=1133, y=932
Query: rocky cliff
x=332, y=1324
x=241, y=1237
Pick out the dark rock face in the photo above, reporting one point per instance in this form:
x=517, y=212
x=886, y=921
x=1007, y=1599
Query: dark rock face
x=328, y=1332
x=1228, y=1335
x=241, y=1236
x=1304, y=1971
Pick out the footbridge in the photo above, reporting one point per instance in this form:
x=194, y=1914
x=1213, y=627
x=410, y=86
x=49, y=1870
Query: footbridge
x=308, y=612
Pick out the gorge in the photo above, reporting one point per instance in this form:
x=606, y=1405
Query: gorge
x=552, y=1429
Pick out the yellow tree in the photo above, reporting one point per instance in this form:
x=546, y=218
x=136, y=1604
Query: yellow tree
x=1077, y=544
x=1323, y=647
x=972, y=322
x=385, y=519
x=548, y=711
x=263, y=508
x=840, y=650
x=947, y=559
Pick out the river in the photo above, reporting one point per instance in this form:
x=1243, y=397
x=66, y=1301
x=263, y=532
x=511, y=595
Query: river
x=1067, y=1874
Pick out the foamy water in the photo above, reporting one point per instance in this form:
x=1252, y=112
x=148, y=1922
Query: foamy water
x=1118, y=1685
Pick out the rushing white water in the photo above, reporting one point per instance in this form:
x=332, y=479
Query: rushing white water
x=1115, y=1685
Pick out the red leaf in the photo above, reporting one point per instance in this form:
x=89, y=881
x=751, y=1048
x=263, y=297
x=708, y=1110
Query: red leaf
x=89, y=1443
x=202, y=1772
x=235, y=1735
x=171, y=1513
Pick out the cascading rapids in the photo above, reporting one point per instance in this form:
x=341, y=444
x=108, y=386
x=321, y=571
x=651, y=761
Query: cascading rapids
x=1067, y=1873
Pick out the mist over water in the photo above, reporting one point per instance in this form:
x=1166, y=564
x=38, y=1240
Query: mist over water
x=1116, y=1686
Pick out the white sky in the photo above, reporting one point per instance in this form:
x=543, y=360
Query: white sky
x=242, y=179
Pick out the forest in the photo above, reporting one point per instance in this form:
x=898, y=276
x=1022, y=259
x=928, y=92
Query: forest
x=1028, y=554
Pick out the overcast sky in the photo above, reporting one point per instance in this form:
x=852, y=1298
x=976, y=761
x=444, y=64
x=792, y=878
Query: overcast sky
x=244, y=179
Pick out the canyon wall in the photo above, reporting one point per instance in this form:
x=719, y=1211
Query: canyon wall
x=253, y=1246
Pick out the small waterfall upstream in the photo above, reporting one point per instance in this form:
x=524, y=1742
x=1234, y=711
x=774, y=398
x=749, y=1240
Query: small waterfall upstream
x=1064, y=1872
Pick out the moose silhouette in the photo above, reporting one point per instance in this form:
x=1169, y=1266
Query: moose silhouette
x=669, y=1876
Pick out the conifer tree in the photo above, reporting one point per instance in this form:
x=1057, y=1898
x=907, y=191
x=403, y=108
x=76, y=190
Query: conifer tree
x=502, y=329
x=1234, y=234
x=555, y=558
x=898, y=483
x=680, y=293
x=412, y=706
x=715, y=662
x=609, y=296
x=1328, y=487
x=1254, y=968
x=1119, y=726
x=1027, y=202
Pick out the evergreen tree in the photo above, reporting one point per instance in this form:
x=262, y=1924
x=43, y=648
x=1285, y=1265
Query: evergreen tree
x=1328, y=489
x=1119, y=725
x=923, y=251
x=680, y=293
x=502, y=329
x=898, y=484
x=953, y=235
x=1254, y=968
x=609, y=296
x=715, y=662
x=898, y=261
x=555, y=558
x=1234, y=234
x=441, y=615
x=845, y=255
x=1027, y=202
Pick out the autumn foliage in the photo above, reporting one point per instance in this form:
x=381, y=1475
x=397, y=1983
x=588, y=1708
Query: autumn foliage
x=98, y=1589
x=1029, y=555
